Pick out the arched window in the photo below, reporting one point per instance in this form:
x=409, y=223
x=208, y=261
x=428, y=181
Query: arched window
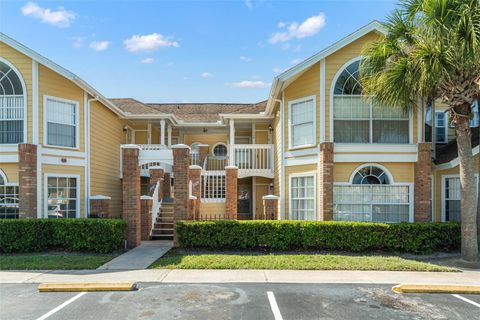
x=358, y=120
x=12, y=104
x=372, y=195
x=8, y=198
x=220, y=150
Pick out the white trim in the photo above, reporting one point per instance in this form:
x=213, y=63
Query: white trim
x=301, y=161
x=387, y=172
x=254, y=197
x=63, y=153
x=375, y=157
x=220, y=143
x=375, y=148
x=39, y=181
x=302, y=175
x=58, y=161
x=77, y=121
x=25, y=98
x=60, y=175
x=312, y=98
x=322, y=100
x=444, y=177
x=455, y=162
x=9, y=158
x=282, y=158
x=420, y=122
x=9, y=147
x=4, y=176
x=302, y=152
x=35, y=109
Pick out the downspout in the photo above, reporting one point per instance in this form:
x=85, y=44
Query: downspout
x=282, y=160
x=87, y=154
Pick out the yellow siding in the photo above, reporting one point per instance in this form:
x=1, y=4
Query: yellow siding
x=277, y=153
x=209, y=209
x=309, y=168
x=61, y=169
x=53, y=84
x=210, y=139
x=24, y=66
x=11, y=171
x=334, y=62
x=261, y=187
x=308, y=84
x=107, y=135
x=401, y=172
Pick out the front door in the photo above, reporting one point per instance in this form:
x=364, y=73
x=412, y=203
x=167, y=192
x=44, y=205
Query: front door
x=244, y=202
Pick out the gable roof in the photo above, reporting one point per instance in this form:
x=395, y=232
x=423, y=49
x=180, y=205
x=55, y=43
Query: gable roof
x=189, y=112
x=298, y=69
x=58, y=69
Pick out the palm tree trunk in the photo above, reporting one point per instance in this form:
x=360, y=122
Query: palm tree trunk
x=467, y=190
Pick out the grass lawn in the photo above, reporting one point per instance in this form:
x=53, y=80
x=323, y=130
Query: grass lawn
x=177, y=259
x=53, y=261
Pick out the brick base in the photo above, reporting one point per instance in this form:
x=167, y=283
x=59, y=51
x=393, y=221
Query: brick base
x=231, y=182
x=27, y=177
x=99, y=206
x=181, y=174
x=131, y=195
x=326, y=181
x=270, y=207
x=146, y=203
x=422, y=206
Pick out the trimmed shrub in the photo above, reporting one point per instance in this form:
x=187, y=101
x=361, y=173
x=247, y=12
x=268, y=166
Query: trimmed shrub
x=31, y=235
x=418, y=238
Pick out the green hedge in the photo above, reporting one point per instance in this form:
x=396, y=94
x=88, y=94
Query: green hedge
x=30, y=235
x=418, y=238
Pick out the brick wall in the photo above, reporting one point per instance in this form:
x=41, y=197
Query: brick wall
x=27, y=177
x=195, y=178
x=181, y=179
x=325, y=182
x=156, y=175
x=131, y=195
x=270, y=207
x=422, y=207
x=202, y=154
x=146, y=203
x=166, y=185
x=231, y=181
x=99, y=206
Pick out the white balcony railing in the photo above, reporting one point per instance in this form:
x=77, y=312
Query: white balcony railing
x=151, y=155
x=213, y=187
x=253, y=159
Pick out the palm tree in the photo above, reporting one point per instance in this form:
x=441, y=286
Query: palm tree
x=432, y=50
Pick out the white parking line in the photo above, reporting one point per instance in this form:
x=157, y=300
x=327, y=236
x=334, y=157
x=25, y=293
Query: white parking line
x=466, y=300
x=60, y=307
x=274, y=306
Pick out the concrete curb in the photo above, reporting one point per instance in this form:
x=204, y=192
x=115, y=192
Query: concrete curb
x=435, y=288
x=87, y=286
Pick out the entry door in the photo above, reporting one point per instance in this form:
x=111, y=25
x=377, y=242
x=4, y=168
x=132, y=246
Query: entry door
x=244, y=203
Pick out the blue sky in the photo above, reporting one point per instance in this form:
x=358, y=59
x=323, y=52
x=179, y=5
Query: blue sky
x=184, y=51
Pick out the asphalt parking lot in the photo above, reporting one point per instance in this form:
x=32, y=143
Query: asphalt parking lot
x=235, y=301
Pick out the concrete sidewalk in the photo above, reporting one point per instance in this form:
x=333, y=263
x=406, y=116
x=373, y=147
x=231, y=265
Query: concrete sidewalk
x=140, y=257
x=242, y=276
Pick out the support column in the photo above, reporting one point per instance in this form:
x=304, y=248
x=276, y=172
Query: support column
x=27, y=177
x=166, y=186
x=202, y=154
x=231, y=182
x=270, y=207
x=231, y=158
x=131, y=194
x=162, y=132
x=325, y=182
x=181, y=179
x=99, y=206
x=422, y=206
x=169, y=135
x=156, y=175
x=146, y=204
x=196, y=179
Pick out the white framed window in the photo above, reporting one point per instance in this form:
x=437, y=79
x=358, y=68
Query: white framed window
x=220, y=150
x=62, y=196
x=302, y=197
x=13, y=104
x=61, y=122
x=371, y=195
x=8, y=198
x=441, y=127
x=302, y=122
x=358, y=120
x=451, y=197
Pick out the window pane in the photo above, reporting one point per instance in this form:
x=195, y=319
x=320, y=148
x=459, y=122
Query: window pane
x=62, y=197
x=61, y=135
x=346, y=107
x=11, y=131
x=390, y=131
x=302, y=120
x=302, y=134
x=302, y=195
x=347, y=131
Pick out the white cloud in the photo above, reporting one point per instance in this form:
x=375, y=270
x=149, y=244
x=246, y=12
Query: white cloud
x=249, y=84
x=249, y=4
x=78, y=42
x=147, y=61
x=295, y=30
x=206, y=75
x=149, y=42
x=99, y=45
x=59, y=18
x=245, y=59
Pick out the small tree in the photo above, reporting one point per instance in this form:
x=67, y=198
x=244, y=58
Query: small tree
x=432, y=50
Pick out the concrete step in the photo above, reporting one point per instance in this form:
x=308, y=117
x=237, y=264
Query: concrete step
x=161, y=237
x=163, y=225
x=156, y=232
x=164, y=219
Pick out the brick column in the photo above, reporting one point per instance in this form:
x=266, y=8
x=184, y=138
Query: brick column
x=325, y=182
x=27, y=177
x=156, y=174
x=192, y=207
x=422, y=207
x=202, y=154
x=196, y=179
x=270, y=207
x=146, y=203
x=166, y=186
x=231, y=182
x=131, y=194
x=99, y=206
x=181, y=179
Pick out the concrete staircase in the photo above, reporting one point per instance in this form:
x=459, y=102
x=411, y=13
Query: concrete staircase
x=163, y=227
